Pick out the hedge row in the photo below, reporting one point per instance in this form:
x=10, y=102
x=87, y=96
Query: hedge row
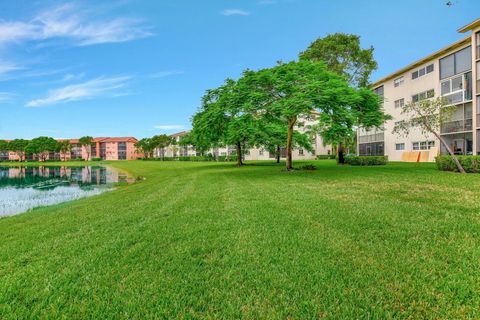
x=325, y=157
x=469, y=163
x=194, y=158
x=366, y=160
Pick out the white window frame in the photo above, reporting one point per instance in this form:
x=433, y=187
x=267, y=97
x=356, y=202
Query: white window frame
x=423, y=145
x=399, y=103
x=398, y=82
x=397, y=145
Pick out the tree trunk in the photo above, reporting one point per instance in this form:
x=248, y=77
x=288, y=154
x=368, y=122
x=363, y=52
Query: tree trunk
x=340, y=158
x=291, y=124
x=239, y=154
x=277, y=154
x=455, y=159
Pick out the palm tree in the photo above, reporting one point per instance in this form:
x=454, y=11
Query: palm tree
x=87, y=143
x=64, y=146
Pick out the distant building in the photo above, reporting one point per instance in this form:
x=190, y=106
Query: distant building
x=106, y=148
x=452, y=72
x=252, y=153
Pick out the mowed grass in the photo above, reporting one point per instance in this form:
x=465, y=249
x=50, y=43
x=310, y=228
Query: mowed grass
x=210, y=240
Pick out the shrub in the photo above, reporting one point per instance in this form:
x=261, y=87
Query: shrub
x=308, y=167
x=471, y=164
x=325, y=156
x=96, y=159
x=366, y=160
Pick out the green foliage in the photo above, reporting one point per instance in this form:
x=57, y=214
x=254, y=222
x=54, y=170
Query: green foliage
x=470, y=164
x=41, y=147
x=343, y=55
x=366, y=160
x=325, y=157
x=96, y=159
x=87, y=142
x=18, y=146
x=64, y=146
x=4, y=146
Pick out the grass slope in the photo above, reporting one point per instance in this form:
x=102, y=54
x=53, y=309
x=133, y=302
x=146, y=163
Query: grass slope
x=208, y=240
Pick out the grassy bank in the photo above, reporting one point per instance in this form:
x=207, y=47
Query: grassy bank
x=212, y=240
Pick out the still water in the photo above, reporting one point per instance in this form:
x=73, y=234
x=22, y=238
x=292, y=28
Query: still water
x=23, y=188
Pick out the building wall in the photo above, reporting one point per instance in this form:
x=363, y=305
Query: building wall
x=426, y=82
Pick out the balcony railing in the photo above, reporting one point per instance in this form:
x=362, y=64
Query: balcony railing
x=456, y=126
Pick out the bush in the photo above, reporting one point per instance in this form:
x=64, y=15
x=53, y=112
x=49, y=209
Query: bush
x=308, y=167
x=471, y=164
x=325, y=156
x=366, y=160
x=96, y=159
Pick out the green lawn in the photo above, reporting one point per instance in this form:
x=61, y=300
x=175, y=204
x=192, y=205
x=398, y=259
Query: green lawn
x=209, y=240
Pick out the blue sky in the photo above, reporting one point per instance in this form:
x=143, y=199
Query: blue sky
x=139, y=68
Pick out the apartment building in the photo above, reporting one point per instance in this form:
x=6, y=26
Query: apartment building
x=452, y=72
x=252, y=153
x=106, y=148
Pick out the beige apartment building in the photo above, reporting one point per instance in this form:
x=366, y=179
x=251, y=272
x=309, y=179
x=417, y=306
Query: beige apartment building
x=452, y=72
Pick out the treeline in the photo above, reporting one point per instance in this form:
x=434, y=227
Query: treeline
x=40, y=148
x=268, y=108
x=147, y=146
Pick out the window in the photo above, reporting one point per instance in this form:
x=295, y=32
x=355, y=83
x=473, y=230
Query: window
x=379, y=91
x=477, y=36
x=398, y=82
x=300, y=152
x=423, y=145
x=422, y=71
x=457, y=89
x=399, y=103
x=260, y=152
x=456, y=63
x=423, y=95
x=400, y=146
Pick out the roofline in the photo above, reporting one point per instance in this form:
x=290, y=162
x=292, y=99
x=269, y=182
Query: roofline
x=417, y=63
x=470, y=26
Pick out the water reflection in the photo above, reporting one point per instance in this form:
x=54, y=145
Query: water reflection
x=26, y=187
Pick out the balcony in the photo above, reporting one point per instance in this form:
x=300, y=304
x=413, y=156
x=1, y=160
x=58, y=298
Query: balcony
x=456, y=126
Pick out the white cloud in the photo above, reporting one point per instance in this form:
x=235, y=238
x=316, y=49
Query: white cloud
x=94, y=88
x=163, y=74
x=73, y=23
x=6, y=67
x=234, y=12
x=170, y=127
x=5, y=97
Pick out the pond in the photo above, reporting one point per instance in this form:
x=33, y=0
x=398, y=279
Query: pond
x=25, y=187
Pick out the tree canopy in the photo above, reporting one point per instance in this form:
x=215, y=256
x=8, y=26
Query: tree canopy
x=343, y=55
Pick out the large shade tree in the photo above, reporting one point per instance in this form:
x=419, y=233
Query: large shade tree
x=145, y=146
x=41, y=147
x=160, y=142
x=225, y=119
x=19, y=146
x=343, y=54
x=4, y=146
x=292, y=91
